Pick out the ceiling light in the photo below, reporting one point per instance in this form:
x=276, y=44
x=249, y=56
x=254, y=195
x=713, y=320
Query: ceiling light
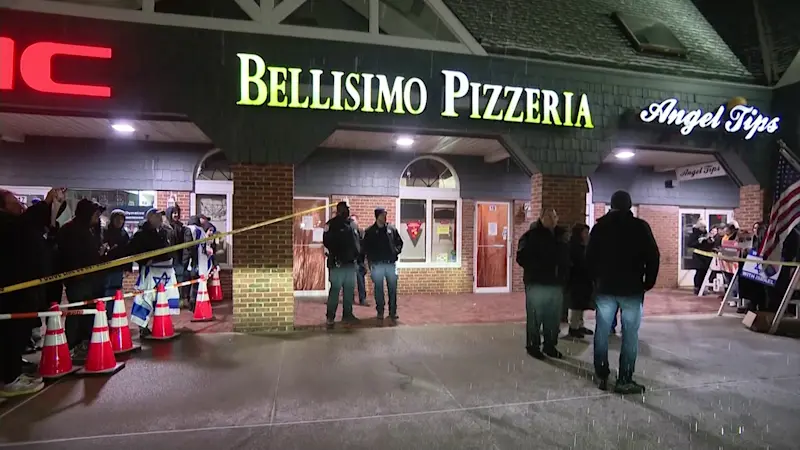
x=404, y=141
x=123, y=128
x=625, y=155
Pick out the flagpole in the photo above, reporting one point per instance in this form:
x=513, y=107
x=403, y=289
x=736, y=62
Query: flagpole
x=787, y=153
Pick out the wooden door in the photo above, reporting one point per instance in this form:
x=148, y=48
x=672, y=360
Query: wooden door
x=492, y=238
x=309, y=254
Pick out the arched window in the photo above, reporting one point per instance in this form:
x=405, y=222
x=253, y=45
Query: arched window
x=213, y=197
x=429, y=214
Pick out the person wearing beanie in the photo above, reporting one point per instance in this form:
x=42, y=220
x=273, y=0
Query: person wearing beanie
x=623, y=260
x=543, y=254
x=382, y=246
x=343, y=247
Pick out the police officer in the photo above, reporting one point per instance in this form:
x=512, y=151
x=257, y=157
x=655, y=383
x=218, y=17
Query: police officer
x=343, y=246
x=382, y=244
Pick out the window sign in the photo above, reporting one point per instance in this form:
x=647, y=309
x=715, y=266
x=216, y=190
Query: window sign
x=739, y=117
x=282, y=87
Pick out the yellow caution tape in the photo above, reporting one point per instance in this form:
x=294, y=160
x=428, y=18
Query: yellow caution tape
x=741, y=260
x=148, y=255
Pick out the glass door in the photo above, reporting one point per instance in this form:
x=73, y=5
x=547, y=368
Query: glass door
x=686, y=221
x=492, y=247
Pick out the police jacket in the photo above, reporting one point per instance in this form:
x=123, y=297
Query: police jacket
x=342, y=241
x=543, y=255
x=381, y=244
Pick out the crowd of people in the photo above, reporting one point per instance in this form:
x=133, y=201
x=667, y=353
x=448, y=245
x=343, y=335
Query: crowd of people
x=608, y=269
x=37, y=246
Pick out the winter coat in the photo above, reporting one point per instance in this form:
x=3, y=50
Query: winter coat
x=543, y=255
x=699, y=240
x=579, y=288
x=622, y=255
x=79, y=244
x=25, y=258
x=179, y=234
x=148, y=239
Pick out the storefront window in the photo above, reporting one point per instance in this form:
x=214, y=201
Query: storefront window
x=134, y=203
x=429, y=213
x=215, y=207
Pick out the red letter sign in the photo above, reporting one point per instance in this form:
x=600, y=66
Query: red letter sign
x=36, y=67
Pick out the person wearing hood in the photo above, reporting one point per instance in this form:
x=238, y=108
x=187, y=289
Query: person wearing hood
x=153, y=234
x=623, y=260
x=180, y=258
x=115, y=238
x=200, y=257
x=80, y=245
x=543, y=254
x=23, y=260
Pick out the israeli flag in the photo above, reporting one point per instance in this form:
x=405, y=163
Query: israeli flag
x=149, y=277
x=203, y=261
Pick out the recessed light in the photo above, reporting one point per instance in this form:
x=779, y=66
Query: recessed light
x=404, y=141
x=624, y=155
x=123, y=127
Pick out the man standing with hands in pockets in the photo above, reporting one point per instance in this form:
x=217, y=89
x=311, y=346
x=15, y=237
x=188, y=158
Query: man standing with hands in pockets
x=382, y=244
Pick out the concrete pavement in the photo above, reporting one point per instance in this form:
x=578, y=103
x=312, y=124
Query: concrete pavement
x=712, y=385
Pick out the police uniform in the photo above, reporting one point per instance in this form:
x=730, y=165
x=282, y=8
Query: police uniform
x=343, y=246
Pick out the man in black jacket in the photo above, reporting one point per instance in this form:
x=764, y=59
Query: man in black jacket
x=543, y=254
x=180, y=258
x=381, y=246
x=80, y=245
x=343, y=245
x=24, y=259
x=623, y=261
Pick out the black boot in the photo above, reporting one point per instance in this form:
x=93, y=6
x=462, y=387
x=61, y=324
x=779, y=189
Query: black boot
x=535, y=352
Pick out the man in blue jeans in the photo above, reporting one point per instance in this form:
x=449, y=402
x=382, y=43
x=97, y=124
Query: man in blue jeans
x=623, y=261
x=381, y=246
x=343, y=247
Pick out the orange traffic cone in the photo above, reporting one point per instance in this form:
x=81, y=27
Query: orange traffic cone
x=162, y=320
x=100, y=359
x=119, y=329
x=214, y=286
x=56, y=361
x=202, y=306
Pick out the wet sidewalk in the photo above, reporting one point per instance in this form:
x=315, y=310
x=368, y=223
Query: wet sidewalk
x=712, y=385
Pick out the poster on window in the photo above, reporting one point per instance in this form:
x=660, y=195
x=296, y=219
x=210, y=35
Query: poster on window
x=760, y=273
x=414, y=229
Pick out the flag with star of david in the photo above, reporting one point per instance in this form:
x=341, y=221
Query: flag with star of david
x=144, y=304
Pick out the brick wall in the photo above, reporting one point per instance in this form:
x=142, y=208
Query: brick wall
x=567, y=195
x=521, y=225
x=664, y=222
x=422, y=280
x=182, y=198
x=751, y=206
x=262, y=275
x=599, y=211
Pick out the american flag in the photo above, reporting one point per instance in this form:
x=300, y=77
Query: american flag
x=785, y=213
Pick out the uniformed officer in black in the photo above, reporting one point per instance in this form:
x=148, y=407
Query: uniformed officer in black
x=382, y=244
x=343, y=246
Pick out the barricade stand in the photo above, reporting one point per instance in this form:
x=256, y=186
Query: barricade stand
x=119, y=328
x=100, y=359
x=729, y=297
x=56, y=361
x=707, y=281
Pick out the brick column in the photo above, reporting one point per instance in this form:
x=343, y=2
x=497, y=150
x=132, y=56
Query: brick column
x=263, y=296
x=567, y=195
x=751, y=206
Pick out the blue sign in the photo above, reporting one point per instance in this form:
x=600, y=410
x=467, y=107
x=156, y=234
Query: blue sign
x=754, y=270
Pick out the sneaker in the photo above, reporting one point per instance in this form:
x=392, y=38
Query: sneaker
x=394, y=318
x=352, y=320
x=21, y=386
x=575, y=333
x=586, y=331
x=553, y=352
x=329, y=323
x=32, y=378
x=144, y=332
x=628, y=387
x=602, y=384
x=535, y=352
x=80, y=352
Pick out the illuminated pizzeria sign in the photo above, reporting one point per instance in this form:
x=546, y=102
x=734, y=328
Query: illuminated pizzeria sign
x=281, y=87
x=739, y=117
x=37, y=67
